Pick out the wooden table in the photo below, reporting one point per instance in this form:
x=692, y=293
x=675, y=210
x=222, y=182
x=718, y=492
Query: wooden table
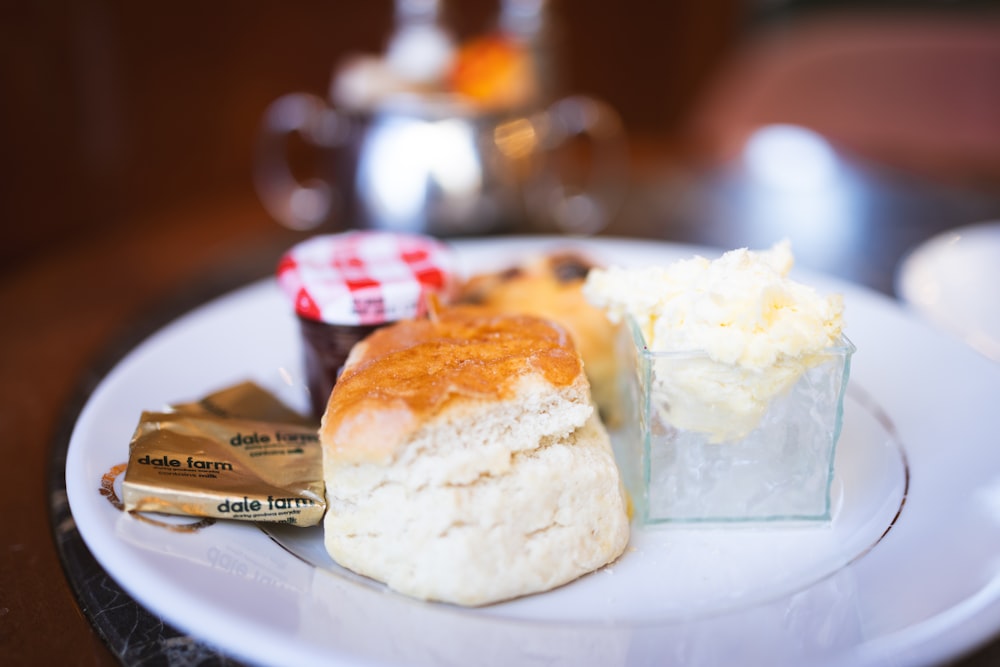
x=74, y=309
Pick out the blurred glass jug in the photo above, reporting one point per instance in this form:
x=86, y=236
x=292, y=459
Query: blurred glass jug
x=477, y=156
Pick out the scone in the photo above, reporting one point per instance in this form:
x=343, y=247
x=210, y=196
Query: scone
x=550, y=286
x=464, y=461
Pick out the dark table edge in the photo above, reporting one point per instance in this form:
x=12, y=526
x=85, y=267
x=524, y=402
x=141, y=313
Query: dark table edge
x=133, y=634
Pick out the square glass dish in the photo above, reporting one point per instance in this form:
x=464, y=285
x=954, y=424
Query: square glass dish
x=705, y=441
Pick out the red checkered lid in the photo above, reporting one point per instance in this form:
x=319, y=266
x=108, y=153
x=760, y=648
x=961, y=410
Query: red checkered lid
x=365, y=277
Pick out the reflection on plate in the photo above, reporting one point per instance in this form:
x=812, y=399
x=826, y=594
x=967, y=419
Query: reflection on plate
x=954, y=281
x=724, y=569
x=928, y=590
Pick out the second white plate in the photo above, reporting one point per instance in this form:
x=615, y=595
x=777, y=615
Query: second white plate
x=954, y=281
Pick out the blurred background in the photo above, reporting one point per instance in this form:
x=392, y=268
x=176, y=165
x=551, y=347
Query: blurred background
x=114, y=110
x=857, y=128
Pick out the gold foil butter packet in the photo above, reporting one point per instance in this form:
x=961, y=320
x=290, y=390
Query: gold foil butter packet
x=246, y=400
x=201, y=460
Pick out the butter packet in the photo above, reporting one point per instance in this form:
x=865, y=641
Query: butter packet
x=245, y=400
x=213, y=458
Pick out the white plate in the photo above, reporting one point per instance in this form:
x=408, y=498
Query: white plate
x=921, y=416
x=953, y=280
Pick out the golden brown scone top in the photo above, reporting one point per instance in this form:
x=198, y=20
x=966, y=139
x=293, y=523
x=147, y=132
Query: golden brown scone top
x=560, y=272
x=550, y=286
x=407, y=372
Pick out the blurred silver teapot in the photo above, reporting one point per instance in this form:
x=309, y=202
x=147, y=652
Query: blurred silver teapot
x=446, y=140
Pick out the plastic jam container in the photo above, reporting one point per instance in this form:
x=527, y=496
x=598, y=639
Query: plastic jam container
x=344, y=286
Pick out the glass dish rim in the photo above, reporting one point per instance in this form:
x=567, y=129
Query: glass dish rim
x=842, y=346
